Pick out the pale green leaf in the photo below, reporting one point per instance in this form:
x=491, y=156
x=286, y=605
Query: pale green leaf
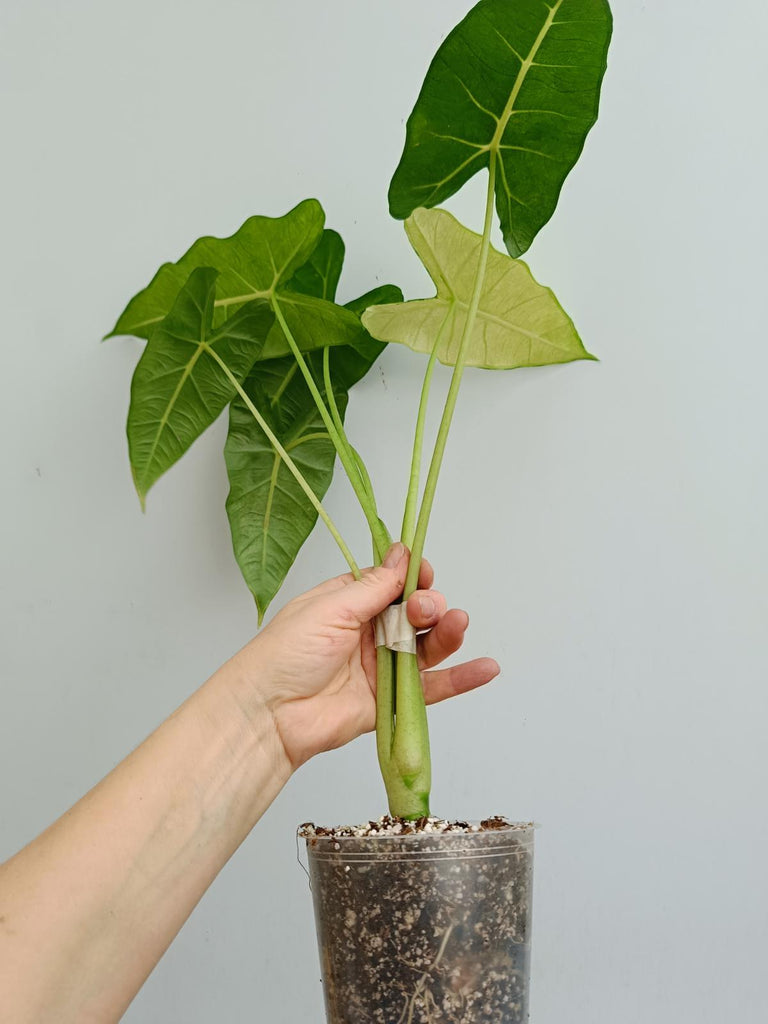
x=519, y=322
x=517, y=80
x=178, y=387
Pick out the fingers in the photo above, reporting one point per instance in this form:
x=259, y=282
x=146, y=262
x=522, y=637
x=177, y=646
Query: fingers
x=379, y=586
x=444, y=639
x=426, y=578
x=425, y=608
x=360, y=600
x=449, y=682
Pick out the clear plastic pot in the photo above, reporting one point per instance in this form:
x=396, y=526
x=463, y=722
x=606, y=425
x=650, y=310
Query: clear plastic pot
x=427, y=928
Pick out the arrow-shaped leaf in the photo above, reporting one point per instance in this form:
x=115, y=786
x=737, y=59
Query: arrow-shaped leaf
x=178, y=387
x=519, y=322
x=269, y=515
x=519, y=80
x=256, y=262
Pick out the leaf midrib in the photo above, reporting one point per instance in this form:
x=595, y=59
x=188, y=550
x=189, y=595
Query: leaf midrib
x=445, y=286
x=268, y=510
x=453, y=303
x=163, y=421
x=200, y=346
x=525, y=67
x=234, y=299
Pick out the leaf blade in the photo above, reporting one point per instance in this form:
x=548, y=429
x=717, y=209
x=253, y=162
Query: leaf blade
x=177, y=389
x=262, y=253
x=518, y=323
x=269, y=515
x=520, y=80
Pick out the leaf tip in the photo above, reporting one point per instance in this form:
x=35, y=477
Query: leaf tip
x=140, y=491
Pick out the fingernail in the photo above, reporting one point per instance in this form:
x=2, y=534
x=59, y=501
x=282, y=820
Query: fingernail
x=394, y=555
x=427, y=606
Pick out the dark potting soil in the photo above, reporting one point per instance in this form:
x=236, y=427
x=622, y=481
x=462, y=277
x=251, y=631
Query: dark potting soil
x=423, y=922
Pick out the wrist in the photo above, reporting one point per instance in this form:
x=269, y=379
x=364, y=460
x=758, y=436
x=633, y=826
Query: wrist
x=241, y=693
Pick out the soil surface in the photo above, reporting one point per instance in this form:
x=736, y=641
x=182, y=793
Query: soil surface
x=423, y=922
x=386, y=825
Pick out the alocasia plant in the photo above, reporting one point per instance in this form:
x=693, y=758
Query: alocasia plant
x=251, y=321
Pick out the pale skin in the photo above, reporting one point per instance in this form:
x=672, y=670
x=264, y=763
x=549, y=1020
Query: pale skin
x=88, y=908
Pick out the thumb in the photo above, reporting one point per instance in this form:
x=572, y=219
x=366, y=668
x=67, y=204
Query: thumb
x=378, y=588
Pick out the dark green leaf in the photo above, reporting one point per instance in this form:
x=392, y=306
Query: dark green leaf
x=314, y=323
x=179, y=388
x=319, y=276
x=517, y=79
x=375, y=297
x=269, y=515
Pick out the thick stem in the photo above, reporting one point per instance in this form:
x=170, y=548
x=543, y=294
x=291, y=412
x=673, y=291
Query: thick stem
x=430, y=487
x=410, y=745
x=290, y=464
x=403, y=801
x=338, y=438
x=385, y=708
x=402, y=741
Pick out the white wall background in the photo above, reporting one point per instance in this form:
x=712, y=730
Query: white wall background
x=604, y=523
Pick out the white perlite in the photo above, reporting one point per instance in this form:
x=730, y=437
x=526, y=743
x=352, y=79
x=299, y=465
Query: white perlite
x=388, y=826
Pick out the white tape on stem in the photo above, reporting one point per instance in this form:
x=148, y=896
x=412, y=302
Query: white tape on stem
x=393, y=630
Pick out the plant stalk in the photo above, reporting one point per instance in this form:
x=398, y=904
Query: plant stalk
x=430, y=487
x=385, y=710
x=337, y=437
x=410, y=757
x=410, y=744
x=407, y=785
x=378, y=551
x=412, y=498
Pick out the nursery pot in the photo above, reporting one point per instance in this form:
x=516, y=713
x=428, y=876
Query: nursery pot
x=424, y=928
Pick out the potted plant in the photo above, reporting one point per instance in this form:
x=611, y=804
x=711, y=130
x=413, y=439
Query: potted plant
x=419, y=919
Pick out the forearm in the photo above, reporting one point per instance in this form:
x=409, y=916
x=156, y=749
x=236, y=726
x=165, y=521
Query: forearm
x=89, y=907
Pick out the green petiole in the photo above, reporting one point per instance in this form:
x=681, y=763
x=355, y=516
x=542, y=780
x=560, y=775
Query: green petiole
x=339, y=439
x=412, y=498
x=430, y=487
x=290, y=464
x=356, y=459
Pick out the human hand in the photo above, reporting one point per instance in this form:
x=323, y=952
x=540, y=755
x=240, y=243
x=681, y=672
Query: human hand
x=314, y=665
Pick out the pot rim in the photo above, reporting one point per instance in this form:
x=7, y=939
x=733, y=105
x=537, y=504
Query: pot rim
x=507, y=841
